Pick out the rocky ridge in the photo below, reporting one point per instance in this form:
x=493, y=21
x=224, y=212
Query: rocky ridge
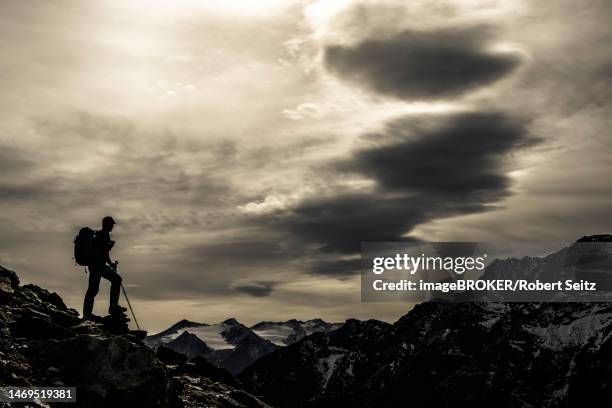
x=45, y=343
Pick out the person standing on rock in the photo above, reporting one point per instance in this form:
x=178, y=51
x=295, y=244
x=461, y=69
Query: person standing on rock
x=103, y=267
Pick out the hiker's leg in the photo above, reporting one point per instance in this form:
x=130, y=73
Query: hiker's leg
x=115, y=280
x=92, y=290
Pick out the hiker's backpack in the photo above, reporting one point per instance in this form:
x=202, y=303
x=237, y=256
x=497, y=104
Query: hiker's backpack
x=85, y=246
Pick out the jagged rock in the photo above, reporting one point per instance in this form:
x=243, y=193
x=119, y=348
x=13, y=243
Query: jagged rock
x=5, y=318
x=35, y=327
x=45, y=296
x=62, y=318
x=169, y=356
x=6, y=289
x=138, y=334
x=15, y=369
x=197, y=366
x=50, y=304
x=596, y=238
x=106, y=371
x=202, y=392
x=11, y=275
x=88, y=327
x=208, y=370
x=44, y=343
x=116, y=323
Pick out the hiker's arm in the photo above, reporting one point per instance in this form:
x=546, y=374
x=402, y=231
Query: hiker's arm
x=111, y=244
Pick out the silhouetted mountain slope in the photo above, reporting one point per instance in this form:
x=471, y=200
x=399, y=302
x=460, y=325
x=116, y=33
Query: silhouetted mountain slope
x=189, y=345
x=171, y=333
x=44, y=343
x=321, y=364
x=453, y=355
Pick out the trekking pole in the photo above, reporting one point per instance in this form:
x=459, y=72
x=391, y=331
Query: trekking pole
x=131, y=310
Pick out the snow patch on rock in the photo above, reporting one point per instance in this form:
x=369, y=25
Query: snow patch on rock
x=576, y=333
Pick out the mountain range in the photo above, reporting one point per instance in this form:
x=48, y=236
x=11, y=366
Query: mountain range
x=232, y=345
x=468, y=354
x=439, y=354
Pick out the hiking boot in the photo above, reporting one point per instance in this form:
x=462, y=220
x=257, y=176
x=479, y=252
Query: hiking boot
x=116, y=309
x=92, y=317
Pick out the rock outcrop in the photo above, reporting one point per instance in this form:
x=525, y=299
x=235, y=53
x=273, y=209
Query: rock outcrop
x=45, y=343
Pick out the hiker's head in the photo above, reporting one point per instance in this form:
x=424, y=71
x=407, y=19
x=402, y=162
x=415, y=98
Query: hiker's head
x=108, y=223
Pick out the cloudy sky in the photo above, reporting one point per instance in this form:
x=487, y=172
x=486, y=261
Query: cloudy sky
x=247, y=148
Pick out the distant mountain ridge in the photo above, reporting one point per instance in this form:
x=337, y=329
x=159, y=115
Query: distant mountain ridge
x=232, y=345
x=291, y=331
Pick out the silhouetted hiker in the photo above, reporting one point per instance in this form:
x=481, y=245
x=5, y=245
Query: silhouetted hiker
x=102, y=267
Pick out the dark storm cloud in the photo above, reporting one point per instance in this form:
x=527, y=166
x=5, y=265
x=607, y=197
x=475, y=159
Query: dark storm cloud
x=14, y=160
x=461, y=159
x=17, y=192
x=422, y=173
x=239, y=251
x=256, y=288
x=340, y=223
x=15, y=178
x=422, y=64
x=338, y=267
